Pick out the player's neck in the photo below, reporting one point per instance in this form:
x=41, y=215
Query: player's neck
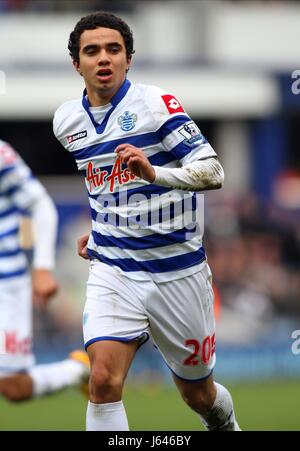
x=101, y=98
x=98, y=100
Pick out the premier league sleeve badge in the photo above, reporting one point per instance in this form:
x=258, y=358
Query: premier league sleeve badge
x=191, y=133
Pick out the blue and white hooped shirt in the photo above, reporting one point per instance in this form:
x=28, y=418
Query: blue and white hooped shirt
x=144, y=230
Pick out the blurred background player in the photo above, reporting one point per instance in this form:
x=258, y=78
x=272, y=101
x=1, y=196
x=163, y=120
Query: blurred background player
x=153, y=279
x=21, y=193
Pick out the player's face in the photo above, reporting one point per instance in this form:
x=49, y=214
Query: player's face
x=103, y=63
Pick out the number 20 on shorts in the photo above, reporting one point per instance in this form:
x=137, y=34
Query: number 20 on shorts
x=203, y=351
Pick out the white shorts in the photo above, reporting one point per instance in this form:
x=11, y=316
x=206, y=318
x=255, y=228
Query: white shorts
x=177, y=315
x=15, y=325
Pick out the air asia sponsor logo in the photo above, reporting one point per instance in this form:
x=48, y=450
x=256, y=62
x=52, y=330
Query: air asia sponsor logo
x=96, y=177
x=10, y=343
x=80, y=135
x=191, y=133
x=172, y=104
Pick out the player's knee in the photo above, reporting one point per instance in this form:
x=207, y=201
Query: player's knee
x=12, y=396
x=104, y=386
x=12, y=393
x=17, y=387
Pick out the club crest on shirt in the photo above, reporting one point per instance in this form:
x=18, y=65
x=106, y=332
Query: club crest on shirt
x=127, y=121
x=191, y=133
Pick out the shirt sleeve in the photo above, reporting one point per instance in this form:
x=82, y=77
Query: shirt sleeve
x=197, y=176
x=178, y=133
x=63, y=123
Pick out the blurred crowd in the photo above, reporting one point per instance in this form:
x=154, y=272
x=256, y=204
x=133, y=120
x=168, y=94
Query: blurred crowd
x=65, y=5
x=254, y=252
x=87, y=5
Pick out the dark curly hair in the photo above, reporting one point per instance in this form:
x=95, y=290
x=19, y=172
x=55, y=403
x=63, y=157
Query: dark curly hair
x=95, y=20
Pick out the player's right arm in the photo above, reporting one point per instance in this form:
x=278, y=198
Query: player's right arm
x=62, y=128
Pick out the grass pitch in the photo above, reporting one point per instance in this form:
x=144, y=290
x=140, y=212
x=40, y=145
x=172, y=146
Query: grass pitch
x=266, y=406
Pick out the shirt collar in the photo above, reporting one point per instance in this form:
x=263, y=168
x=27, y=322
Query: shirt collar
x=115, y=100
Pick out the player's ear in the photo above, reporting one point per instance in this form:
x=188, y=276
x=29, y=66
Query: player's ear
x=128, y=63
x=76, y=65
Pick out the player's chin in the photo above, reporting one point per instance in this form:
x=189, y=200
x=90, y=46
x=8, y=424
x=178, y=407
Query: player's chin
x=104, y=81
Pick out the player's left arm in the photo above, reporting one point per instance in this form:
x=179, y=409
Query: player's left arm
x=200, y=175
x=199, y=167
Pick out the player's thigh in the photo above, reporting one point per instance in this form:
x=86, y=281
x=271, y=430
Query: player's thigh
x=183, y=327
x=114, y=309
x=115, y=323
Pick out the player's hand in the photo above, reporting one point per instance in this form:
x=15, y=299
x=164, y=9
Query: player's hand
x=82, y=246
x=136, y=161
x=44, y=286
